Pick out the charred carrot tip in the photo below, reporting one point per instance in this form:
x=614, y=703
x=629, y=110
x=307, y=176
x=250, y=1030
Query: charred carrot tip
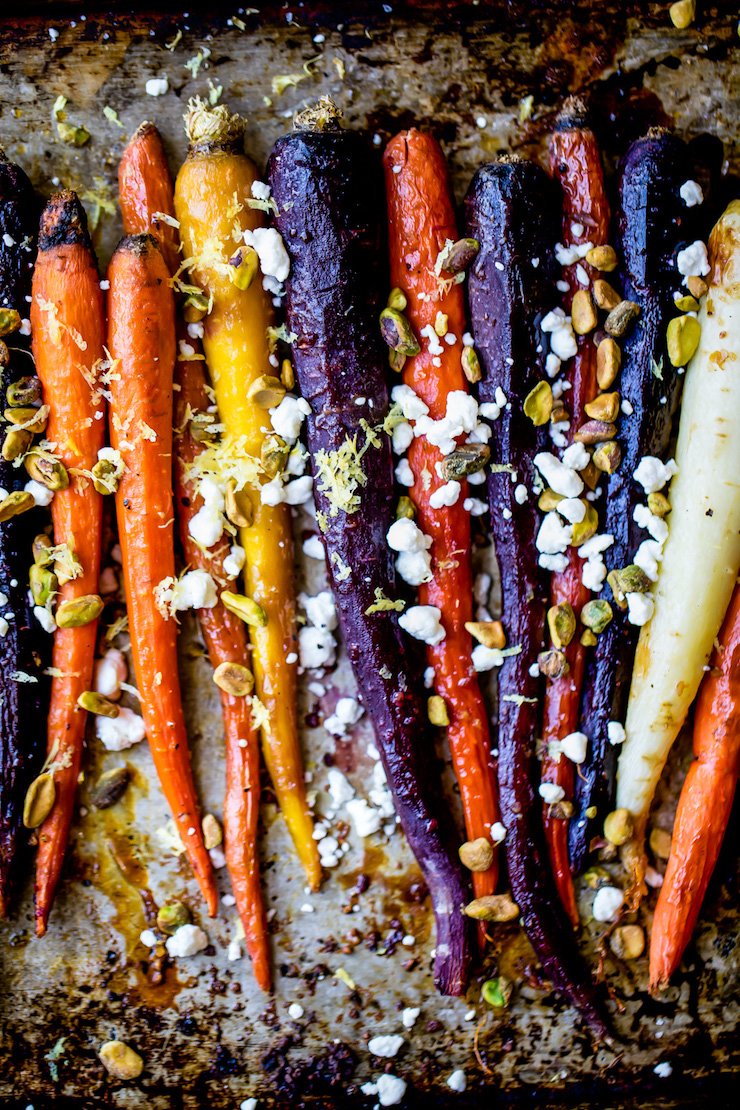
x=141, y=245
x=63, y=221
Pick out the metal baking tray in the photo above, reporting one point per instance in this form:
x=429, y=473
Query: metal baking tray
x=208, y=1037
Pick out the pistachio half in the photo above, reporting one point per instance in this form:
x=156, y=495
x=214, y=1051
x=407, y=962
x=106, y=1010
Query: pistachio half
x=15, y=503
x=234, y=679
x=468, y=458
x=476, y=855
x=538, y=404
x=245, y=608
x=47, y=470
x=397, y=333
x=97, y=704
x=492, y=907
x=39, y=800
x=79, y=611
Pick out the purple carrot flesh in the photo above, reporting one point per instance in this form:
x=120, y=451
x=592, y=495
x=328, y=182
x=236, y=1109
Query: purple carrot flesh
x=23, y=688
x=512, y=208
x=329, y=192
x=653, y=223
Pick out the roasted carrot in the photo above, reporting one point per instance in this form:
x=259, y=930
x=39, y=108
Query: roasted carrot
x=213, y=202
x=705, y=803
x=421, y=223
x=146, y=200
x=226, y=640
x=576, y=164
x=68, y=327
x=141, y=341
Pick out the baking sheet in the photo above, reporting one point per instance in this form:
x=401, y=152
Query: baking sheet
x=208, y=1037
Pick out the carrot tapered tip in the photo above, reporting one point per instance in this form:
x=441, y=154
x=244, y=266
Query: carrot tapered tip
x=63, y=222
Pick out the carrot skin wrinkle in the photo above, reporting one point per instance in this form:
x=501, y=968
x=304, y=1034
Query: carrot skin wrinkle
x=704, y=806
x=653, y=222
x=327, y=187
x=24, y=647
x=576, y=164
x=141, y=337
x=422, y=219
x=511, y=208
x=68, y=328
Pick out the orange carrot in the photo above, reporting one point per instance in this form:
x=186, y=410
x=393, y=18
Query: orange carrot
x=704, y=806
x=68, y=326
x=141, y=340
x=145, y=195
x=421, y=220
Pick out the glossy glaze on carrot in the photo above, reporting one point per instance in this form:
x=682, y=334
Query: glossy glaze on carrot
x=421, y=221
x=68, y=328
x=141, y=340
x=145, y=193
x=575, y=163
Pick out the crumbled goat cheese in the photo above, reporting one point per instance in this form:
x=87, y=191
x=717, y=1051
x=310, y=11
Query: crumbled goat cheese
x=573, y=746
x=553, y=537
x=647, y=557
x=404, y=474
x=148, y=938
x=195, y=590
x=485, y=658
x=552, y=365
x=287, y=417
x=572, y=508
x=389, y=1089
x=45, y=619
x=41, y=495
x=320, y=609
x=4, y=627
x=498, y=832
x=157, y=86
x=655, y=525
x=314, y=548
x=457, y=1081
x=411, y=405
x=663, y=1069
x=550, y=792
x=596, y=545
x=477, y=479
x=423, y=623
x=295, y=1011
x=386, y=1046
x=414, y=562
x=316, y=647
x=691, y=193
x=299, y=491
x=409, y=1015
x=274, y=260
x=402, y=437
x=121, y=732
x=234, y=561
x=560, y=477
x=566, y=256
x=340, y=788
x=365, y=820
x=461, y=417
x=475, y=506
x=607, y=903
x=260, y=190
x=207, y=526
x=187, y=941
x=653, y=474
x=615, y=732
x=428, y=333
x=562, y=337
x=593, y=574
x=348, y=712
x=692, y=261
x=448, y=494
x=576, y=457
x=554, y=563
x=414, y=567
x=640, y=608
x=109, y=673
x=521, y=493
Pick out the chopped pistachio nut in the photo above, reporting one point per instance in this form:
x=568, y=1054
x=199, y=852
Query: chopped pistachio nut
x=561, y=620
x=24, y=391
x=396, y=361
x=31, y=419
x=605, y=295
x=41, y=549
x=212, y=832
x=110, y=787
x=658, y=504
x=549, y=500
x=120, y=1060
x=583, y=312
x=627, y=942
x=608, y=361
x=201, y=427
x=405, y=508
x=266, y=391
x=456, y=258
x=10, y=321
x=466, y=459
x=471, y=365
x=14, y=504
x=604, y=407
x=172, y=916
x=682, y=13
x=47, y=470
x=79, y=611
x=618, y=827
x=17, y=441
x=628, y=580
x=274, y=452
x=553, y=663
x=682, y=339
x=238, y=506
x=234, y=679
x=245, y=608
x=585, y=528
x=441, y=324
x=594, y=431
x=492, y=907
x=43, y=584
x=97, y=704
x=607, y=457
x=687, y=304
x=39, y=800
x=105, y=476
x=244, y=267
x=620, y=319
x=397, y=299
x=437, y=711
x=497, y=992
x=71, y=134
x=588, y=639
x=397, y=333
x=602, y=258
x=476, y=855
x=538, y=404
x=287, y=373
x=660, y=843
x=596, y=615
x=489, y=633
x=697, y=287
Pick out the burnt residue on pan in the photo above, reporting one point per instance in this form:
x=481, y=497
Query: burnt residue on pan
x=207, y=1037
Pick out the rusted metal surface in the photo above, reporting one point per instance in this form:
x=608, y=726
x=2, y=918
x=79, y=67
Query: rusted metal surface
x=207, y=1036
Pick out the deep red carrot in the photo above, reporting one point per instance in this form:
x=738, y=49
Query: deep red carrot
x=421, y=221
x=576, y=164
x=68, y=327
x=141, y=340
x=704, y=806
